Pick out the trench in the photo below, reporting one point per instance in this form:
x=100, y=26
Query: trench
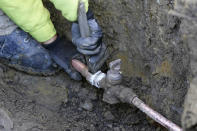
x=155, y=64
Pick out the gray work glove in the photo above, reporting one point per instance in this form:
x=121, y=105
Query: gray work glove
x=89, y=45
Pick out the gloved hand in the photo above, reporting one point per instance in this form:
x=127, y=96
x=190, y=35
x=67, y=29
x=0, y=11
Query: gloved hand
x=63, y=51
x=89, y=45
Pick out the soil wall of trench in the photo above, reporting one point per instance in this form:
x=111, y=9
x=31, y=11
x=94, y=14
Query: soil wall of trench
x=155, y=63
x=148, y=40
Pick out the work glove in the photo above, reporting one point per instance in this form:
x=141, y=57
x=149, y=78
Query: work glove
x=63, y=51
x=91, y=46
x=87, y=45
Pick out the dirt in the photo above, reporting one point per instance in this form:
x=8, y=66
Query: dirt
x=54, y=104
x=189, y=117
x=186, y=10
x=156, y=65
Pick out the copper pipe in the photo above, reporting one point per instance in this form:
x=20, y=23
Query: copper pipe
x=155, y=115
x=134, y=100
x=82, y=68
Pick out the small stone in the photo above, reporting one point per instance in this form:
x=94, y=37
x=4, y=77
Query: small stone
x=116, y=129
x=6, y=124
x=79, y=109
x=109, y=125
x=92, y=127
x=123, y=129
x=108, y=115
x=87, y=105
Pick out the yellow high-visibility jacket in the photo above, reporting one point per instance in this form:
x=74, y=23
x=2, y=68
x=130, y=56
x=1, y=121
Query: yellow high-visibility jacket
x=34, y=18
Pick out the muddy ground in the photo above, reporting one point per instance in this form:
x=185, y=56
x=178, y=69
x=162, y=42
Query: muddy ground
x=156, y=64
x=57, y=103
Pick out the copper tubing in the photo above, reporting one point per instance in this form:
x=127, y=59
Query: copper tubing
x=155, y=115
x=80, y=67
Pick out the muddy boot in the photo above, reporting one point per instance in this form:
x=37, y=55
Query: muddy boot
x=6, y=124
x=22, y=52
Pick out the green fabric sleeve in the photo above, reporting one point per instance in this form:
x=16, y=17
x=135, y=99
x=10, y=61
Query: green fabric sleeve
x=31, y=16
x=69, y=8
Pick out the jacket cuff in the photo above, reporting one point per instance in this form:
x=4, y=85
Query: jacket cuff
x=46, y=32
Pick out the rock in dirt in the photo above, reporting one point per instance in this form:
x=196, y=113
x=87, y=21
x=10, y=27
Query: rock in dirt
x=87, y=105
x=189, y=118
x=116, y=129
x=109, y=116
x=6, y=124
x=109, y=125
